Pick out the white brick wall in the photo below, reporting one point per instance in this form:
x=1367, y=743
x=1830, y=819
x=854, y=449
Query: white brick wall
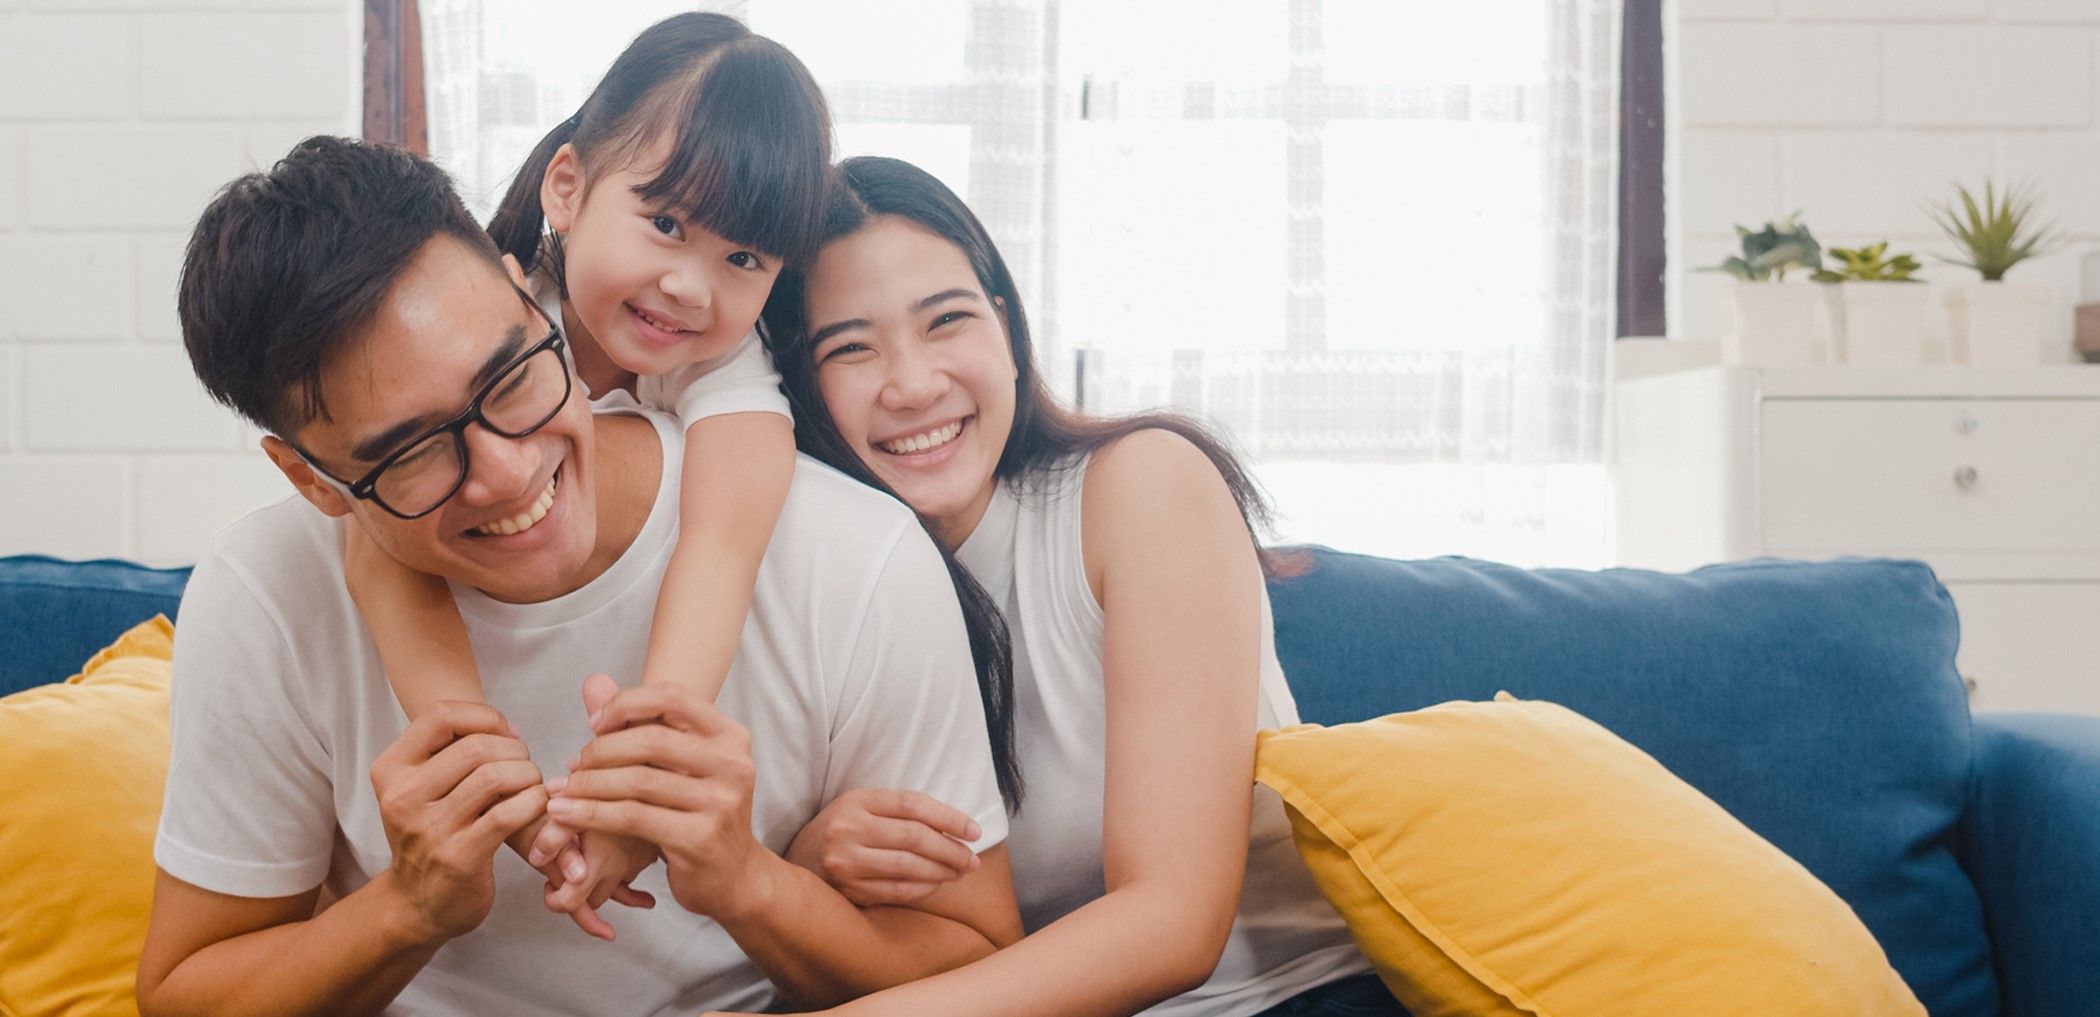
x=118, y=120
x=1859, y=112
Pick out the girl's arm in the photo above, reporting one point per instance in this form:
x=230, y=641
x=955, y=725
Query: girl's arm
x=1177, y=577
x=423, y=647
x=733, y=482
x=421, y=638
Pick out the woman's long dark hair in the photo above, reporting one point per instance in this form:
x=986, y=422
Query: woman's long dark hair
x=1046, y=435
x=749, y=151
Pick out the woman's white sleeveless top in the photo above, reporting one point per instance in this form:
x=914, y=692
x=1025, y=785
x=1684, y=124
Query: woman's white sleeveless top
x=1026, y=551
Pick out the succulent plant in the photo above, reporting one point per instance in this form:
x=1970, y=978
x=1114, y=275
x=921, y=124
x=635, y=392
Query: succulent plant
x=1996, y=234
x=1769, y=252
x=1867, y=264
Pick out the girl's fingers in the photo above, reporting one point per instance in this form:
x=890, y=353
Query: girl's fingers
x=628, y=895
x=552, y=838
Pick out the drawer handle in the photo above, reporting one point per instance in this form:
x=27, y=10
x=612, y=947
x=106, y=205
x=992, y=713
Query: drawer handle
x=1965, y=477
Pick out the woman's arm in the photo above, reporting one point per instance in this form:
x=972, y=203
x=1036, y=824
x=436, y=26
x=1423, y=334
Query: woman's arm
x=1174, y=568
x=733, y=481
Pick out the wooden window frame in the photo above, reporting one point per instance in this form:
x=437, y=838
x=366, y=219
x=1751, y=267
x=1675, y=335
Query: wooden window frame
x=394, y=110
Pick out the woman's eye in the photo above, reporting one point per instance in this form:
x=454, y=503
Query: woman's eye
x=841, y=348
x=664, y=224
x=950, y=318
x=746, y=259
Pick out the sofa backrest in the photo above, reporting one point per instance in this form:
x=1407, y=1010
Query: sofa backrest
x=55, y=614
x=1817, y=702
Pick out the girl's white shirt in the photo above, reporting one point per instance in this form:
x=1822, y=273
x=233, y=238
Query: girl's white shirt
x=740, y=381
x=1027, y=553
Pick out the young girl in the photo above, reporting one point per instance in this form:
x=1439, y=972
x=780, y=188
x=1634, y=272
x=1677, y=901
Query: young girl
x=671, y=200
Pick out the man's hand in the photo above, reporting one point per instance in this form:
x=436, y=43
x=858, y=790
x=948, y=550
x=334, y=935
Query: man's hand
x=451, y=788
x=668, y=768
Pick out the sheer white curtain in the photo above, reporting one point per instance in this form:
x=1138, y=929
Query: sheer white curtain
x=1372, y=240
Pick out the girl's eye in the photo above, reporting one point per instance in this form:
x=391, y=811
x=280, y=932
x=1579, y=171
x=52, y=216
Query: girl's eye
x=746, y=259
x=665, y=225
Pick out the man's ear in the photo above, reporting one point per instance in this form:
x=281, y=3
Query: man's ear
x=561, y=189
x=311, y=487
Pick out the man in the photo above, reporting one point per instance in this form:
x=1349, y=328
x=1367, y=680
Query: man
x=349, y=305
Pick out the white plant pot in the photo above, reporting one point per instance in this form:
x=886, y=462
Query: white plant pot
x=1771, y=325
x=1997, y=324
x=1877, y=324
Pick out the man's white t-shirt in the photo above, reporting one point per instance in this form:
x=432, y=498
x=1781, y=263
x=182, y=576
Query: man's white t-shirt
x=854, y=670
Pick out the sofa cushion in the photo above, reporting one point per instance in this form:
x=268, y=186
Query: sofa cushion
x=54, y=613
x=1816, y=702
x=1510, y=858
x=84, y=762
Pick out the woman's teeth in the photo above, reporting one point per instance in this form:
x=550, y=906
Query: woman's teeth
x=922, y=442
x=522, y=521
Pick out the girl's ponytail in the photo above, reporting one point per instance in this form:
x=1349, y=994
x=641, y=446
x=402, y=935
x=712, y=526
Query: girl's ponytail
x=519, y=220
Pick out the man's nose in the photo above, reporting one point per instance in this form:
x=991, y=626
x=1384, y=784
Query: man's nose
x=499, y=469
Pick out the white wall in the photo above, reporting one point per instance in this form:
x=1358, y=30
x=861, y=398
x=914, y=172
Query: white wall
x=118, y=120
x=1857, y=112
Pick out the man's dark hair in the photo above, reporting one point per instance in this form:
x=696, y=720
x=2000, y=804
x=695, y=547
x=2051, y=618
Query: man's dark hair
x=285, y=267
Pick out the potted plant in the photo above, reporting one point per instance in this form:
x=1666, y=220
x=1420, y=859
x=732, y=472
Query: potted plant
x=1876, y=310
x=1772, y=324
x=1995, y=323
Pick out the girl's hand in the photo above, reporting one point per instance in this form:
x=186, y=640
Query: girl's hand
x=560, y=863
x=609, y=863
x=886, y=847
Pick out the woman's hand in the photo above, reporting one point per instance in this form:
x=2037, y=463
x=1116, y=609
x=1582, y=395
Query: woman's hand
x=878, y=846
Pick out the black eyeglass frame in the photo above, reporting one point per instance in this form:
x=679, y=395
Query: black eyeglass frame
x=365, y=488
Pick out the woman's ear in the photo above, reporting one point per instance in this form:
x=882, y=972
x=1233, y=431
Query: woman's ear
x=561, y=189
x=295, y=468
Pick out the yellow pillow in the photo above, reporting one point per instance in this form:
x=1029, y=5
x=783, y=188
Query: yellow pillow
x=1515, y=858
x=82, y=765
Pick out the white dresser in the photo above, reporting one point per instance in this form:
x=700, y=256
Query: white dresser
x=1991, y=476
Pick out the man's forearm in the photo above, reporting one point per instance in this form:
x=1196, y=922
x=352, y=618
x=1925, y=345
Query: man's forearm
x=821, y=950
x=352, y=958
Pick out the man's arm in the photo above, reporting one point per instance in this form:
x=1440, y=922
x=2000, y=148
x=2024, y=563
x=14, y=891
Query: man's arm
x=210, y=953
x=671, y=769
x=451, y=788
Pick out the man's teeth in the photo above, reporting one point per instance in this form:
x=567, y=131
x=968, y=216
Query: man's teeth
x=522, y=521
x=921, y=442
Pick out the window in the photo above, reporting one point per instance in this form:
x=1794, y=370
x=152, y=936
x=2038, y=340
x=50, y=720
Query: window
x=1374, y=242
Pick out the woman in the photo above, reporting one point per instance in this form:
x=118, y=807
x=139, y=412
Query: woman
x=1122, y=552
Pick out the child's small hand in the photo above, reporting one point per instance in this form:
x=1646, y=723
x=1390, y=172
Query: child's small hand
x=609, y=863
x=563, y=864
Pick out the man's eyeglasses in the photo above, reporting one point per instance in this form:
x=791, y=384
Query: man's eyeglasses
x=431, y=467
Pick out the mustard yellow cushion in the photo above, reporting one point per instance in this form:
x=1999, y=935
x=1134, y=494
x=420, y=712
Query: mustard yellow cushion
x=1515, y=858
x=82, y=765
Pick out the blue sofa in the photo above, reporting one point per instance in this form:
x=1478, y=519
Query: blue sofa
x=1816, y=702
